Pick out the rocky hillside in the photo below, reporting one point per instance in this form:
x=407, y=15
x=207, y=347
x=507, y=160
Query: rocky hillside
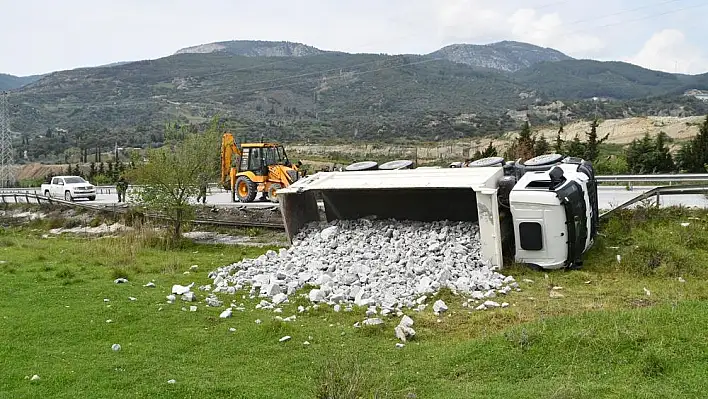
x=330, y=96
x=9, y=82
x=254, y=48
x=508, y=56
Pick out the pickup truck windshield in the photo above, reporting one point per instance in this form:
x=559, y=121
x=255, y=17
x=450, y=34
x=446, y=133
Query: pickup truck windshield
x=71, y=180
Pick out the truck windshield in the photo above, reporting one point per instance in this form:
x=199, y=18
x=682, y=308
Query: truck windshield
x=72, y=180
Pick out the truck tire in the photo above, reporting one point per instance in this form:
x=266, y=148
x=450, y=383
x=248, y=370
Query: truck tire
x=272, y=196
x=46, y=193
x=484, y=162
x=366, y=165
x=394, y=165
x=543, y=160
x=92, y=198
x=245, y=189
x=67, y=196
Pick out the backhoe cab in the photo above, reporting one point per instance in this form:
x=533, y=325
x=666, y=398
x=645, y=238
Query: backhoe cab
x=255, y=168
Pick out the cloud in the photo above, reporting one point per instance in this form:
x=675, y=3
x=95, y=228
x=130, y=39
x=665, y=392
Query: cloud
x=471, y=20
x=669, y=51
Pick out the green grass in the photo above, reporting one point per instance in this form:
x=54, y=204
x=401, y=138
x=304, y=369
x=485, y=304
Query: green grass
x=604, y=338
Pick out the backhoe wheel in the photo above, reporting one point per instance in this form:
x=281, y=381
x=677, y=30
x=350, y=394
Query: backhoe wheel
x=246, y=189
x=271, y=192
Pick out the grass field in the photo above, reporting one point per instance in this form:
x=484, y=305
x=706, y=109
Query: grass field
x=604, y=338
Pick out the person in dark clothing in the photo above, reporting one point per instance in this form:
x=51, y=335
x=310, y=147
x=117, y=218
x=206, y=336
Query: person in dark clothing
x=203, y=183
x=121, y=189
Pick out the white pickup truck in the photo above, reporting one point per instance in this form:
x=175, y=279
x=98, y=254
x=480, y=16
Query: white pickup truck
x=69, y=188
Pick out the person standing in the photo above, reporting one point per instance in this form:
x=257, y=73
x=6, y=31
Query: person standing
x=121, y=188
x=203, y=183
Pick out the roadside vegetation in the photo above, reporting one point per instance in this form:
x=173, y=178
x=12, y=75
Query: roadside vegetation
x=627, y=326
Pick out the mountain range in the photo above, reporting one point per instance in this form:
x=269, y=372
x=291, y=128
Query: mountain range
x=292, y=91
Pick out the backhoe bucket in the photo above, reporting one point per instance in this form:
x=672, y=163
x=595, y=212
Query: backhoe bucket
x=464, y=194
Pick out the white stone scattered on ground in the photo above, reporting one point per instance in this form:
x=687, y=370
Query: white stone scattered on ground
x=150, y=285
x=258, y=321
x=285, y=338
x=189, y=297
x=132, y=298
x=226, y=313
x=171, y=298
x=181, y=289
x=404, y=330
x=372, y=322
x=194, y=267
x=371, y=263
x=232, y=329
x=439, y=306
x=106, y=300
x=681, y=280
x=192, y=308
x=115, y=347
x=400, y=345
x=120, y=280
x=34, y=378
x=306, y=343
x=171, y=381
x=213, y=301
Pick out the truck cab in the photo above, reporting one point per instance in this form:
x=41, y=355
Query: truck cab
x=551, y=208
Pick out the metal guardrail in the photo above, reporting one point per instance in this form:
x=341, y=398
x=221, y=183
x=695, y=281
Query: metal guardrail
x=677, y=177
x=658, y=192
x=30, y=198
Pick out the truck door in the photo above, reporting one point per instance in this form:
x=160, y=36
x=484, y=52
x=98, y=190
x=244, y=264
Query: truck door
x=57, y=187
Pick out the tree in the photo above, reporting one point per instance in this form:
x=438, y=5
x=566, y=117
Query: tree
x=576, y=148
x=693, y=156
x=172, y=173
x=542, y=146
x=650, y=155
x=558, y=145
x=591, y=146
x=490, y=151
x=523, y=146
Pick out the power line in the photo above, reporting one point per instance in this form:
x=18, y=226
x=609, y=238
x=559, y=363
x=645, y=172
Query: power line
x=6, y=151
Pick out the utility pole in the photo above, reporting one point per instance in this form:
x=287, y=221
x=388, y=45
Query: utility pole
x=6, y=152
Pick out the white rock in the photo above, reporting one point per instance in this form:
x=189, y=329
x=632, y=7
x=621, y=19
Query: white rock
x=279, y=298
x=285, y=338
x=132, y=298
x=226, y=313
x=306, y=343
x=115, y=347
x=171, y=298
x=120, y=280
x=189, y=297
x=171, y=381
x=439, y=306
x=181, y=289
x=34, y=378
x=491, y=304
x=194, y=267
x=232, y=329
x=150, y=285
x=372, y=322
x=400, y=345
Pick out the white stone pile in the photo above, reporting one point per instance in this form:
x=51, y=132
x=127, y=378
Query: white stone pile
x=372, y=263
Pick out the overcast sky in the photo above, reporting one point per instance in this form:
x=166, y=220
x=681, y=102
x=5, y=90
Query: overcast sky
x=40, y=36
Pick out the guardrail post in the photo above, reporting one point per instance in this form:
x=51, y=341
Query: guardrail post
x=658, y=198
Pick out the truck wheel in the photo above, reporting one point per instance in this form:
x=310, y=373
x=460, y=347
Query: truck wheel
x=92, y=198
x=484, y=162
x=246, y=189
x=366, y=165
x=543, y=160
x=46, y=193
x=271, y=192
x=67, y=196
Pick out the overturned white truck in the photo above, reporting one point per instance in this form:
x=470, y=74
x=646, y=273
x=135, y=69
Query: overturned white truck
x=543, y=212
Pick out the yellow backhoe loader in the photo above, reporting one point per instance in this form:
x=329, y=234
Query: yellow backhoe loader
x=251, y=168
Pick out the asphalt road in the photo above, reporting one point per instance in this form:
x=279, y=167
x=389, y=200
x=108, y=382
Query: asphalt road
x=609, y=197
